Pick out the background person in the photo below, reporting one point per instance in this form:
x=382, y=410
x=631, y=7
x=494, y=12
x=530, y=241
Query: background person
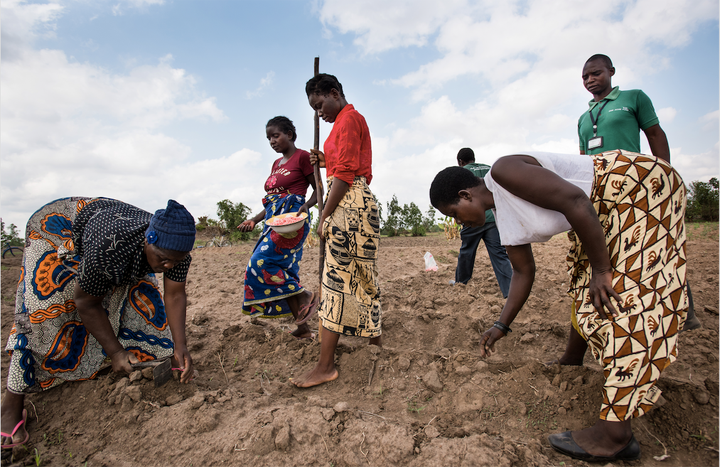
x=471, y=236
x=627, y=265
x=350, y=225
x=88, y=291
x=272, y=282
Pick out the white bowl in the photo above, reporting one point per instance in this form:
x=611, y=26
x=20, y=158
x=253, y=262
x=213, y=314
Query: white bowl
x=287, y=228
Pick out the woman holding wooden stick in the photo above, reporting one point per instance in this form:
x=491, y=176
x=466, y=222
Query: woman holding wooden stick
x=350, y=225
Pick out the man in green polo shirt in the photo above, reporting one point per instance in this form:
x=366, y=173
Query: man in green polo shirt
x=614, y=117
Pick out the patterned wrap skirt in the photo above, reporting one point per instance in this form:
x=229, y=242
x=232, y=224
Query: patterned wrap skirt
x=272, y=274
x=640, y=201
x=350, y=292
x=48, y=342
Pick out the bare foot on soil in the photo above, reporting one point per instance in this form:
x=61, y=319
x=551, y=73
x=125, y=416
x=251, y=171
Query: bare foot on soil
x=315, y=377
x=303, y=332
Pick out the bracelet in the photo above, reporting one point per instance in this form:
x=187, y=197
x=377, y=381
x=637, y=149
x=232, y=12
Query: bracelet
x=503, y=327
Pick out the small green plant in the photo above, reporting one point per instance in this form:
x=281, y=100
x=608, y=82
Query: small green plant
x=37, y=459
x=413, y=407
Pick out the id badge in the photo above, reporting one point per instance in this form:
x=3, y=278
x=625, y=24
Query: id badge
x=596, y=142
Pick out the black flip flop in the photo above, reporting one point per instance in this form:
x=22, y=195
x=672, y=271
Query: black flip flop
x=565, y=444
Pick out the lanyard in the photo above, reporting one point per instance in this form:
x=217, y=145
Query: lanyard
x=594, y=120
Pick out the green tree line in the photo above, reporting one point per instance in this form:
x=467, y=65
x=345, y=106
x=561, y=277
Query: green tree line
x=408, y=219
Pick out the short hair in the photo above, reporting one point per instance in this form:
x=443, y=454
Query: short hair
x=466, y=155
x=322, y=84
x=604, y=58
x=447, y=184
x=285, y=125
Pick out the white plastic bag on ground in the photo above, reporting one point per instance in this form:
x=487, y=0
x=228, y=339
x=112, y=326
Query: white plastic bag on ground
x=430, y=264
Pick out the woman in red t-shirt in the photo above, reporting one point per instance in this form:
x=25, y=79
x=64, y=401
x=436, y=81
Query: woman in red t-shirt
x=350, y=224
x=272, y=284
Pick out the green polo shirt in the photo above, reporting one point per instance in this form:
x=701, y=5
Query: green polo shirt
x=620, y=121
x=480, y=170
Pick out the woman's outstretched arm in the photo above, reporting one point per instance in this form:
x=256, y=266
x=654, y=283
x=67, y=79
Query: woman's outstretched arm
x=523, y=264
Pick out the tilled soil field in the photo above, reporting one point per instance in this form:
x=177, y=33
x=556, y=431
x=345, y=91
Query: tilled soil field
x=424, y=399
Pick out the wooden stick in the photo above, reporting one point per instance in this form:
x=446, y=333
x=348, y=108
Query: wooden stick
x=320, y=198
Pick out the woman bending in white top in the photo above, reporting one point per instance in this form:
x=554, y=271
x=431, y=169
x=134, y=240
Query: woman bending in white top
x=627, y=268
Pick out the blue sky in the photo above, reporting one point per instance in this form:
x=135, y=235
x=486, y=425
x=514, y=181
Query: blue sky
x=145, y=100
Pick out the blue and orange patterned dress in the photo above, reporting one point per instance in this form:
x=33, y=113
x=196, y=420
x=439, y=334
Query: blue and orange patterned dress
x=95, y=244
x=272, y=274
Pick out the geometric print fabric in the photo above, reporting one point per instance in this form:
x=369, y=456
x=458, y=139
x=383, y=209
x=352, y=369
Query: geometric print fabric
x=640, y=201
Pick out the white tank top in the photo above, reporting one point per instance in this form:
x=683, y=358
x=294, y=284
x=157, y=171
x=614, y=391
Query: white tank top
x=520, y=222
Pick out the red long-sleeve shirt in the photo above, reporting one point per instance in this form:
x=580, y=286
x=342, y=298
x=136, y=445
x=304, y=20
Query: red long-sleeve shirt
x=348, y=152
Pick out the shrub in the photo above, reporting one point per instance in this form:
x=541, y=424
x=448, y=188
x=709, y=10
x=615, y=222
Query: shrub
x=11, y=237
x=393, y=223
x=702, y=203
x=231, y=215
x=407, y=219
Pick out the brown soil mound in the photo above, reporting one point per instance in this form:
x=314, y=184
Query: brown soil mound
x=425, y=399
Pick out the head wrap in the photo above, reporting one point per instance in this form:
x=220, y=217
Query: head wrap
x=172, y=228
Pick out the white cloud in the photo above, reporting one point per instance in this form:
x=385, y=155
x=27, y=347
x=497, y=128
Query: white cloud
x=709, y=121
x=119, y=8
x=666, y=115
x=691, y=167
x=264, y=83
x=22, y=23
x=505, y=76
x=382, y=25
x=73, y=128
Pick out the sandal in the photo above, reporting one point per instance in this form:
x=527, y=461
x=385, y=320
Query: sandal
x=310, y=309
x=12, y=435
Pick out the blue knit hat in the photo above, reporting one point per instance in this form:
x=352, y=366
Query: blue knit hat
x=172, y=228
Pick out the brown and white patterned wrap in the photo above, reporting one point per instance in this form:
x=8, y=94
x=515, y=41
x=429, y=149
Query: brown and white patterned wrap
x=640, y=201
x=350, y=292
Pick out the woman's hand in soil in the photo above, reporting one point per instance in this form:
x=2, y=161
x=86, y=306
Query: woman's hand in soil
x=122, y=361
x=317, y=156
x=488, y=339
x=182, y=356
x=600, y=291
x=246, y=226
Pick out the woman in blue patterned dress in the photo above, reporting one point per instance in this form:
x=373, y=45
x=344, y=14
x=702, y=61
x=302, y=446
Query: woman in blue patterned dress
x=272, y=283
